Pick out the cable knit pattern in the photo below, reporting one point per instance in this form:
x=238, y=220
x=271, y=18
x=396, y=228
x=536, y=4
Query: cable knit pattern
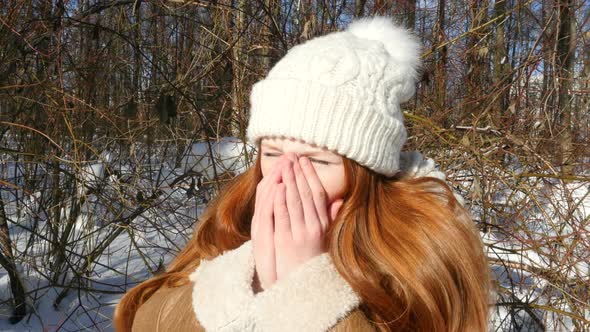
x=314, y=297
x=342, y=91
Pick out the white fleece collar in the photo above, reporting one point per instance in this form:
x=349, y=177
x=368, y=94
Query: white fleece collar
x=222, y=290
x=314, y=297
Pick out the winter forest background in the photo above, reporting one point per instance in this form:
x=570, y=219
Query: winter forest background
x=120, y=119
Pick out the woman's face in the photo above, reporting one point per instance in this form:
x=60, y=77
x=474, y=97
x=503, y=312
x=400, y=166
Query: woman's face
x=328, y=165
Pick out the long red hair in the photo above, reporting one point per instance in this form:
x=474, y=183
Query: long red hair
x=405, y=245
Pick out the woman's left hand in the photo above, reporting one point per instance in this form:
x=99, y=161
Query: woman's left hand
x=302, y=215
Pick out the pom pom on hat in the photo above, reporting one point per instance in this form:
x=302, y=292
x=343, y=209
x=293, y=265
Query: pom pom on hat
x=401, y=44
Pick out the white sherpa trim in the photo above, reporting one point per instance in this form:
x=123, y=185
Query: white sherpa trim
x=222, y=290
x=314, y=297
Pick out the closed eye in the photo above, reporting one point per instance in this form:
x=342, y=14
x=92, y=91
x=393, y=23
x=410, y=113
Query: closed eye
x=313, y=160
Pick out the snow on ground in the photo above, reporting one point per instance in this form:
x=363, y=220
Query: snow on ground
x=541, y=264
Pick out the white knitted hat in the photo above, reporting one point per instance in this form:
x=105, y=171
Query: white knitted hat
x=342, y=91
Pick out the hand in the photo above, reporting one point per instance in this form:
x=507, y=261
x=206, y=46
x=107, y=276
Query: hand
x=262, y=230
x=301, y=216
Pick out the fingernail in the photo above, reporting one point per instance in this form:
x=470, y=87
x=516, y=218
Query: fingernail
x=304, y=161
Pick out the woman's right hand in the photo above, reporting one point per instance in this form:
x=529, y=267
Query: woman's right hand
x=262, y=228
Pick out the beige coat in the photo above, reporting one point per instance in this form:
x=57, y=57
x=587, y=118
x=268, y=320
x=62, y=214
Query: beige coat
x=220, y=298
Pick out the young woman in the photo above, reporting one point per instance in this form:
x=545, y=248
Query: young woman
x=328, y=231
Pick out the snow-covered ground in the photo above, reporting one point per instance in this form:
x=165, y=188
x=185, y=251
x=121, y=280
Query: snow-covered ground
x=154, y=204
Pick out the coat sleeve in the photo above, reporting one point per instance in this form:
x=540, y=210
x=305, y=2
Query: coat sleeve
x=356, y=321
x=168, y=309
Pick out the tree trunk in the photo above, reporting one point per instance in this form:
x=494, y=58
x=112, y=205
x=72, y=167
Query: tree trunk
x=566, y=51
x=359, y=8
x=269, y=40
x=440, y=72
x=501, y=74
x=238, y=63
x=584, y=107
x=477, y=59
x=382, y=7
x=8, y=263
x=411, y=14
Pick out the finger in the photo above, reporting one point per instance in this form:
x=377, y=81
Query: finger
x=266, y=234
x=263, y=190
x=275, y=175
x=309, y=209
x=266, y=215
x=281, y=213
x=257, y=206
x=294, y=207
x=317, y=189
